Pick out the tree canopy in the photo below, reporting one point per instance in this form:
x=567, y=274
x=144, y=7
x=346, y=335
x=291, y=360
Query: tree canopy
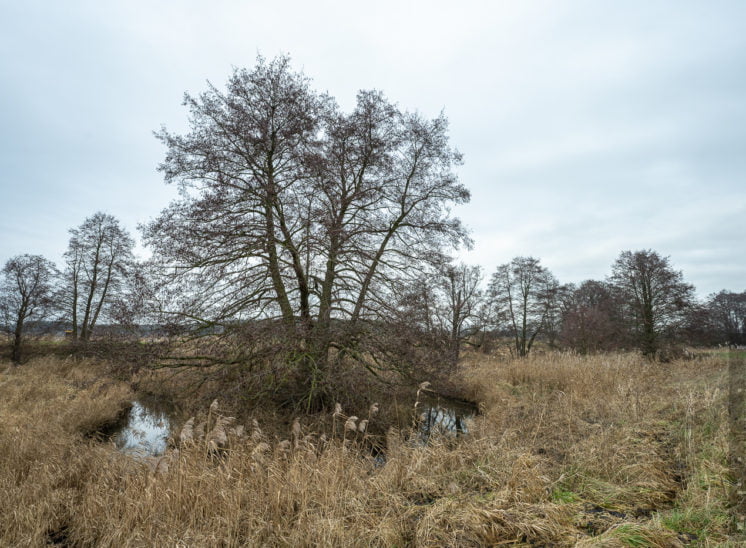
x=295, y=211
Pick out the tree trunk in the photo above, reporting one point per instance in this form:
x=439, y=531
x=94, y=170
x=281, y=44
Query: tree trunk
x=85, y=333
x=101, y=299
x=320, y=338
x=75, y=310
x=274, y=269
x=455, y=342
x=18, y=339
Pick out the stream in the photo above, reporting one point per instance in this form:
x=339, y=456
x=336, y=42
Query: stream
x=146, y=430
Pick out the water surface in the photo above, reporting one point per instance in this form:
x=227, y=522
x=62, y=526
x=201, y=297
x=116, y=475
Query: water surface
x=447, y=416
x=146, y=430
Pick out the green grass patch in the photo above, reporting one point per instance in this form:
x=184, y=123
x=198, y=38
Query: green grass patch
x=563, y=495
x=632, y=535
x=597, y=491
x=702, y=522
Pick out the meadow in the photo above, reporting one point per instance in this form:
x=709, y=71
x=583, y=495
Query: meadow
x=567, y=450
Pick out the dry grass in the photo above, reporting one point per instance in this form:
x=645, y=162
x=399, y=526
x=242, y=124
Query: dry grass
x=596, y=451
x=47, y=411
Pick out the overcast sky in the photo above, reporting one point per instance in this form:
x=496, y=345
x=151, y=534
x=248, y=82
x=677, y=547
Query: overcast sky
x=588, y=128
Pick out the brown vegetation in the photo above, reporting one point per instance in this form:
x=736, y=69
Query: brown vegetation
x=609, y=450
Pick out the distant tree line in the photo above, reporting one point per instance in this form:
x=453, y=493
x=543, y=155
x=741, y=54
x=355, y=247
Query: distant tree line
x=306, y=237
x=644, y=304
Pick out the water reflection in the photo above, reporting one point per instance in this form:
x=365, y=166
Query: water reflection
x=445, y=417
x=146, y=431
x=442, y=420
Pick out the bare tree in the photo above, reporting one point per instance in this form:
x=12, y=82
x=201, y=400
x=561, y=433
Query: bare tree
x=728, y=314
x=460, y=285
x=295, y=212
x=654, y=297
x=562, y=300
x=444, y=305
x=453, y=308
x=97, y=261
x=523, y=294
x=26, y=296
x=590, y=319
x=130, y=306
x=701, y=326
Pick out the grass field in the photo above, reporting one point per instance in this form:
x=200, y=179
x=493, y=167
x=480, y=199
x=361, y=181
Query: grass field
x=608, y=450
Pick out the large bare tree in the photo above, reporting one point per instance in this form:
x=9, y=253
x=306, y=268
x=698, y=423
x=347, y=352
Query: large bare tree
x=294, y=212
x=26, y=296
x=522, y=294
x=97, y=262
x=654, y=297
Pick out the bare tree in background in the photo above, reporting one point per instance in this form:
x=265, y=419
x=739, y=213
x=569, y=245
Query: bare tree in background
x=453, y=306
x=728, y=314
x=97, y=261
x=445, y=306
x=522, y=294
x=130, y=305
x=591, y=321
x=296, y=213
x=700, y=328
x=654, y=297
x=460, y=285
x=561, y=302
x=26, y=296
